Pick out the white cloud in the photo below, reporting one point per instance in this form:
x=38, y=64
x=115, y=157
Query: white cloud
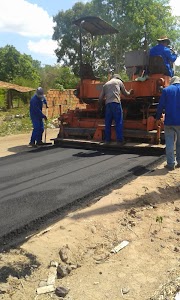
x=43, y=46
x=24, y=18
x=175, y=5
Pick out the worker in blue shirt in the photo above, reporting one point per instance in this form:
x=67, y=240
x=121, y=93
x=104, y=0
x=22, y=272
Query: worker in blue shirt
x=36, y=115
x=170, y=104
x=169, y=55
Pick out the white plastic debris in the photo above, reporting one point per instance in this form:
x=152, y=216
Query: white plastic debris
x=52, y=273
x=119, y=247
x=45, y=289
x=52, y=276
x=47, y=286
x=177, y=297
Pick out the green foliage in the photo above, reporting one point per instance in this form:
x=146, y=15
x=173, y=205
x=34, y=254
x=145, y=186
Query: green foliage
x=177, y=71
x=159, y=219
x=58, y=77
x=18, y=68
x=134, y=19
x=2, y=99
x=67, y=34
x=9, y=63
x=15, y=121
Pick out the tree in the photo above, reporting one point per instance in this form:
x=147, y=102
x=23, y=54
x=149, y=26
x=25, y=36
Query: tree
x=18, y=68
x=58, y=77
x=67, y=35
x=177, y=71
x=9, y=63
x=134, y=19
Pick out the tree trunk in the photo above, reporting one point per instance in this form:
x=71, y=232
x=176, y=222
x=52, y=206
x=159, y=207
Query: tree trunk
x=9, y=103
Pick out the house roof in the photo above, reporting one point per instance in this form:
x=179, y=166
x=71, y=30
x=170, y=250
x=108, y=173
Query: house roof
x=19, y=88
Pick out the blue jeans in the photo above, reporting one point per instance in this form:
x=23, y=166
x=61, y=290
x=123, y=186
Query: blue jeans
x=38, y=129
x=172, y=138
x=114, y=112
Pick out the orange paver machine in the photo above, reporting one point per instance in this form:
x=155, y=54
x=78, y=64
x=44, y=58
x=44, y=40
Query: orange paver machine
x=139, y=109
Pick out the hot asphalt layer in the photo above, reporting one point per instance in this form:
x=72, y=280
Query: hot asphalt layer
x=36, y=183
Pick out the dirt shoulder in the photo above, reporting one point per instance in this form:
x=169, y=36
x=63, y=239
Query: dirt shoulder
x=12, y=144
x=144, y=212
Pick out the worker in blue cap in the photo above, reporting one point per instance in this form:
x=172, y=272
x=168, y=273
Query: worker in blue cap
x=36, y=115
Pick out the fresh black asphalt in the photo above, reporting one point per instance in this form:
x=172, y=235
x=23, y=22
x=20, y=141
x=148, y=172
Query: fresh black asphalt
x=35, y=183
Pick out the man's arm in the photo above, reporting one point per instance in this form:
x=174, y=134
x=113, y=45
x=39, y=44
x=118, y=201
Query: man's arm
x=101, y=98
x=172, y=56
x=161, y=105
x=37, y=111
x=124, y=91
x=45, y=102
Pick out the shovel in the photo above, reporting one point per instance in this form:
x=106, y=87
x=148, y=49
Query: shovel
x=45, y=130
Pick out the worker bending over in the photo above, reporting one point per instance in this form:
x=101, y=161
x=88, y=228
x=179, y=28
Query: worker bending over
x=113, y=110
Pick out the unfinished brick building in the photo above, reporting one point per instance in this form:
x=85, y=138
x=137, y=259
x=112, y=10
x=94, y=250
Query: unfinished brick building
x=60, y=101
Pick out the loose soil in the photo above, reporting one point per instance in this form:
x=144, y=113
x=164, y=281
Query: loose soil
x=144, y=212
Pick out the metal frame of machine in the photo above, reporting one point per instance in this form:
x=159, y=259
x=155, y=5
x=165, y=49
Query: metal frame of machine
x=139, y=109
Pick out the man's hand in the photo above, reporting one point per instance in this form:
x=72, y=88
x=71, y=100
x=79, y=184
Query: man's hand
x=131, y=91
x=99, y=109
x=158, y=122
x=173, y=51
x=100, y=105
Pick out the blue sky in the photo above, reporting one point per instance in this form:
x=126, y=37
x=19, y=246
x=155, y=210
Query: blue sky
x=28, y=25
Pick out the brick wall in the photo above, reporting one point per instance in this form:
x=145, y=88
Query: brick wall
x=59, y=102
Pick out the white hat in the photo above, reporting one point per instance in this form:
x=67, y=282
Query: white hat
x=174, y=80
x=164, y=39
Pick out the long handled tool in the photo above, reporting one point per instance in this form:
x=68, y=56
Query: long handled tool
x=45, y=125
x=45, y=132
x=45, y=129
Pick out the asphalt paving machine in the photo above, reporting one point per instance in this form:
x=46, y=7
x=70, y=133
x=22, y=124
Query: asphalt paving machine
x=147, y=77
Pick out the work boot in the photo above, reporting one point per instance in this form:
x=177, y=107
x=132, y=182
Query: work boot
x=170, y=168
x=106, y=143
x=32, y=144
x=178, y=165
x=120, y=143
x=40, y=143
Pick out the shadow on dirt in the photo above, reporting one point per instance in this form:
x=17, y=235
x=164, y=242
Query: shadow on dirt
x=22, y=265
x=150, y=200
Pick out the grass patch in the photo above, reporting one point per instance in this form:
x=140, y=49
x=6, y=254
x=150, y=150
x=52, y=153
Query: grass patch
x=14, y=121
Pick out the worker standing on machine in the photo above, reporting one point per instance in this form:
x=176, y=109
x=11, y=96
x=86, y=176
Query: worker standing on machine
x=168, y=54
x=113, y=110
x=170, y=104
x=36, y=104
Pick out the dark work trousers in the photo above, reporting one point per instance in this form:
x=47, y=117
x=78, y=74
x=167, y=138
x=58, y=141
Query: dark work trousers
x=114, y=112
x=38, y=129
